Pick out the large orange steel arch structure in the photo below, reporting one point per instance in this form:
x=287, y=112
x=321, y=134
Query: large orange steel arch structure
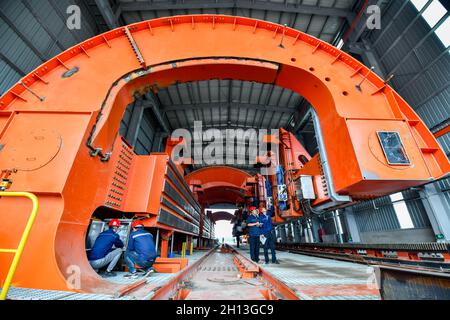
x=219, y=184
x=59, y=127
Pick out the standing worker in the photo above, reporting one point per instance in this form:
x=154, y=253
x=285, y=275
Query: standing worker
x=266, y=230
x=254, y=233
x=141, y=250
x=102, y=253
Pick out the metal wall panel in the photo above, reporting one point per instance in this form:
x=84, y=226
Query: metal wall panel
x=32, y=32
x=416, y=209
x=376, y=215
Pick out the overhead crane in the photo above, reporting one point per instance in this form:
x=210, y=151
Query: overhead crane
x=59, y=138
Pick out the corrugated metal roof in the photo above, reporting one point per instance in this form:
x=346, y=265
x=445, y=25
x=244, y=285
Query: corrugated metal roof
x=228, y=103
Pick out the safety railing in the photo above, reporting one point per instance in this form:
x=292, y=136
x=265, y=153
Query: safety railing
x=23, y=240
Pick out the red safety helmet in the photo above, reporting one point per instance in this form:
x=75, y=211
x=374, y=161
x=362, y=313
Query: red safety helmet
x=137, y=223
x=114, y=223
x=251, y=208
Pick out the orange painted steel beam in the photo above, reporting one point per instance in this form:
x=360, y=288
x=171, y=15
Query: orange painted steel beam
x=442, y=132
x=220, y=184
x=64, y=146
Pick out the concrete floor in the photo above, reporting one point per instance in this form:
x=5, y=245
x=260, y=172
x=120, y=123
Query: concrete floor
x=315, y=278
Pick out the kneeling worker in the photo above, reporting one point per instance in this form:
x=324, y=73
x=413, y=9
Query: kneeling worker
x=140, y=251
x=102, y=252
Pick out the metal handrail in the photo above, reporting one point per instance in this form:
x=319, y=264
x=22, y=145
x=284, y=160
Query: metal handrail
x=23, y=240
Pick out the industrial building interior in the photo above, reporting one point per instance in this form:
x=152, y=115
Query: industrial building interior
x=97, y=94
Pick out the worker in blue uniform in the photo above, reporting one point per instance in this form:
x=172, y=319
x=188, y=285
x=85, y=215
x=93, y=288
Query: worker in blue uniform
x=102, y=253
x=267, y=231
x=141, y=250
x=254, y=233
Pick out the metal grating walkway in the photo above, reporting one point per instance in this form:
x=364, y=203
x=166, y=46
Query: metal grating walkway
x=154, y=281
x=315, y=278
x=39, y=294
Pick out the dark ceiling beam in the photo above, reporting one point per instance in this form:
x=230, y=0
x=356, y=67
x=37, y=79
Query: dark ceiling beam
x=40, y=55
x=43, y=24
x=361, y=25
x=206, y=126
x=156, y=109
x=238, y=4
x=180, y=107
x=12, y=65
x=137, y=114
x=306, y=118
x=107, y=13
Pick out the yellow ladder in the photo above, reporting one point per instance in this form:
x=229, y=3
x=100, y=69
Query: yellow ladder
x=23, y=240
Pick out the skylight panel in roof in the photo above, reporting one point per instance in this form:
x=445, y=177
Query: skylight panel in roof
x=434, y=12
x=443, y=32
x=419, y=4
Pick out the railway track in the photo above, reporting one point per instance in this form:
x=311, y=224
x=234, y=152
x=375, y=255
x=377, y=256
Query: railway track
x=224, y=274
x=403, y=271
x=421, y=256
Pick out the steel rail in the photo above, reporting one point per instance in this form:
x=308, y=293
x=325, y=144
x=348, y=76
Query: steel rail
x=175, y=289
x=278, y=285
x=169, y=290
x=418, y=265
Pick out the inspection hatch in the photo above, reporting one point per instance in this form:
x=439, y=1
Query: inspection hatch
x=31, y=150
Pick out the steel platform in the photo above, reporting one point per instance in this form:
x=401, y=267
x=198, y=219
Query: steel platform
x=315, y=278
x=144, y=292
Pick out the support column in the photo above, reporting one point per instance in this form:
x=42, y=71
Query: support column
x=437, y=210
x=283, y=235
x=108, y=14
x=277, y=233
x=337, y=226
x=165, y=236
x=352, y=227
x=369, y=56
x=297, y=235
x=172, y=240
x=301, y=229
x=158, y=145
x=188, y=243
x=289, y=233
x=157, y=240
x=307, y=230
x=137, y=114
x=315, y=226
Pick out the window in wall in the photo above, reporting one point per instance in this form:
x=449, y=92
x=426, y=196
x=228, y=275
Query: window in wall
x=419, y=4
x=432, y=15
x=401, y=210
x=443, y=32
